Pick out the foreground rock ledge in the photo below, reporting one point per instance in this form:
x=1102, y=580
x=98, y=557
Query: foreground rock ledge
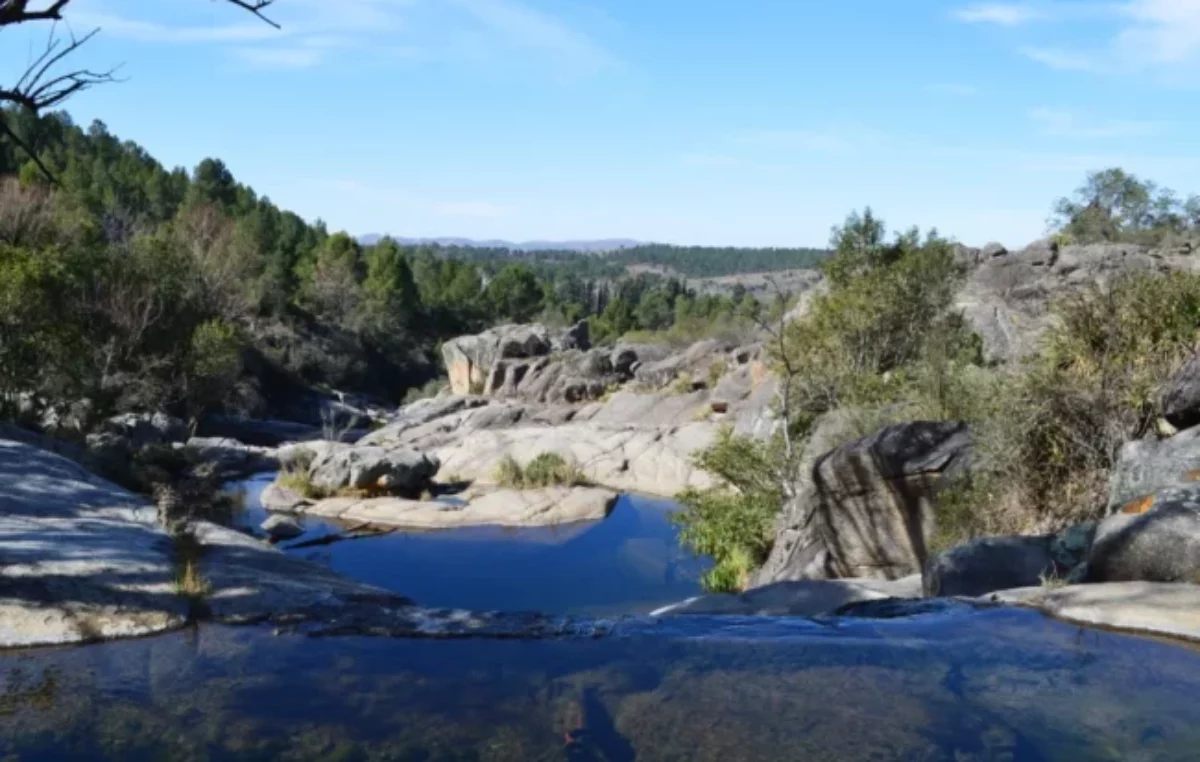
x=1143, y=607
x=502, y=507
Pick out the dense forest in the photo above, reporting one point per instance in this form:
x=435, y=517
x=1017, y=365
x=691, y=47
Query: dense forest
x=677, y=261
x=134, y=286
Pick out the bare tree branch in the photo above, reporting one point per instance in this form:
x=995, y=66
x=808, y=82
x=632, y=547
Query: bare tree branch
x=38, y=87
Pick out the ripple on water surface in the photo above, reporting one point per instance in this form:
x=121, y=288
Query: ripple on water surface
x=988, y=685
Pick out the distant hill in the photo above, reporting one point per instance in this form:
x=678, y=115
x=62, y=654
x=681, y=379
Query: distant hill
x=607, y=244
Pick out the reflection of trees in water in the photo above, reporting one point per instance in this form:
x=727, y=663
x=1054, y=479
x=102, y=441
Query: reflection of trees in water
x=21, y=692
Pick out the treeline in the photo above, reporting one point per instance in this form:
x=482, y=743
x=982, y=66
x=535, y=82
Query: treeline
x=135, y=287
x=676, y=261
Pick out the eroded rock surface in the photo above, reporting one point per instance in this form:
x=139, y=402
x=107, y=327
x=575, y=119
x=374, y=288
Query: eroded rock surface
x=500, y=507
x=805, y=598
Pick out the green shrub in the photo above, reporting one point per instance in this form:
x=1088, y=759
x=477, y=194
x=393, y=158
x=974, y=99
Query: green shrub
x=546, y=470
x=429, y=389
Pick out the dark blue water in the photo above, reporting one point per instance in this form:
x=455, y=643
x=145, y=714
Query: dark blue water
x=991, y=685
x=629, y=563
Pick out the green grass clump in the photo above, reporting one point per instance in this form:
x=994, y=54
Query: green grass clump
x=546, y=470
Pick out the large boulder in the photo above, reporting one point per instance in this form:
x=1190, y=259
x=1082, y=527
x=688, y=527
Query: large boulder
x=365, y=468
x=469, y=359
x=278, y=527
x=1145, y=467
x=991, y=563
x=1006, y=297
x=865, y=509
x=578, y=336
x=1154, y=540
x=1181, y=397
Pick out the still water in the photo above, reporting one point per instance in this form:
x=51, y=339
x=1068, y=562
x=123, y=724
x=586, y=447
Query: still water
x=967, y=685
x=629, y=563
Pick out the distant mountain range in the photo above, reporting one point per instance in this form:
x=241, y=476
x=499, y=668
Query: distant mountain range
x=605, y=244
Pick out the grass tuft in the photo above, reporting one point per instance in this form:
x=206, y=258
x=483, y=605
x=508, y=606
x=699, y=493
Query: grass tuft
x=546, y=470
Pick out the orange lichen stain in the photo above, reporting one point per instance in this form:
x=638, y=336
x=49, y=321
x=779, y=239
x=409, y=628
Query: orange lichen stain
x=1141, y=505
x=1192, y=476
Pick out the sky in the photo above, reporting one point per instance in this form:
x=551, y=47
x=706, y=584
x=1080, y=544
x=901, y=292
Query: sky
x=714, y=122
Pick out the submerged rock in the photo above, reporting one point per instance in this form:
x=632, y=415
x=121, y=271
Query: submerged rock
x=805, y=598
x=282, y=527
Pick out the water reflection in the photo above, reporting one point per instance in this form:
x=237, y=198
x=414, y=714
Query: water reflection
x=629, y=563
x=990, y=685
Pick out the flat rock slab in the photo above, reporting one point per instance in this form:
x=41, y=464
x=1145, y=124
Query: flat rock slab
x=806, y=598
x=502, y=507
x=80, y=558
x=1171, y=609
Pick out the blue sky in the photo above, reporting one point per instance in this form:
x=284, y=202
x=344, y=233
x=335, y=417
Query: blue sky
x=757, y=122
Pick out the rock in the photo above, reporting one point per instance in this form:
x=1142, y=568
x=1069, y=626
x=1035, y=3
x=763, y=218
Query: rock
x=500, y=507
x=1144, y=467
x=578, y=336
x=693, y=361
x=259, y=432
x=865, y=509
x=277, y=498
x=399, y=470
x=280, y=527
x=83, y=558
x=989, y=564
x=469, y=359
x=421, y=413
x=992, y=250
x=806, y=598
x=141, y=429
x=1144, y=607
x=1161, y=543
x=1181, y=397
x=1007, y=299
x=232, y=458
x=623, y=359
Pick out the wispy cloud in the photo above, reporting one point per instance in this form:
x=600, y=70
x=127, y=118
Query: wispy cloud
x=520, y=26
x=1160, y=32
x=1062, y=60
x=1001, y=14
x=430, y=30
x=1067, y=124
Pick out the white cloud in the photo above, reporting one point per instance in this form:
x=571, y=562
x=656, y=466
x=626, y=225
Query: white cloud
x=430, y=30
x=1067, y=124
x=1162, y=32
x=1062, y=60
x=1001, y=14
x=520, y=26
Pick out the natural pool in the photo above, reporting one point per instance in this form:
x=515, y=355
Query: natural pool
x=996, y=684
x=629, y=563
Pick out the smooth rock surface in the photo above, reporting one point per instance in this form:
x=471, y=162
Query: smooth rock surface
x=369, y=467
x=280, y=527
x=1145, y=607
x=501, y=507
x=989, y=564
x=806, y=598
x=1159, y=544
x=1146, y=466
x=469, y=359
x=865, y=509
x=1181, y=397
x=80, y=558
x=275, y=497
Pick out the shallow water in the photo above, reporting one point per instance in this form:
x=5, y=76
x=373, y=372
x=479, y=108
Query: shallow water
x=997, y=684
x=629, y=563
